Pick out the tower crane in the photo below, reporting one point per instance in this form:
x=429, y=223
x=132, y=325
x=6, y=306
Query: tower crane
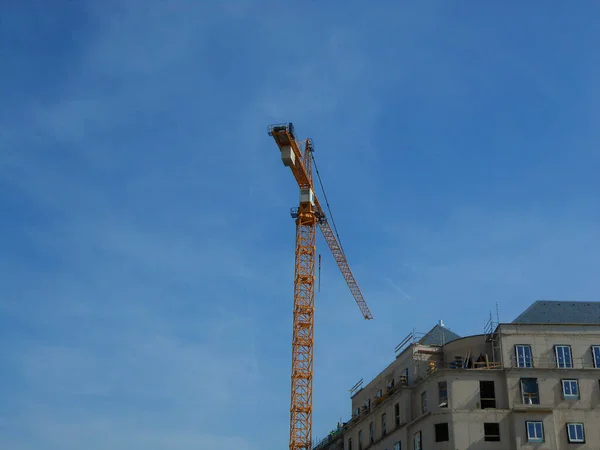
x=308, y=215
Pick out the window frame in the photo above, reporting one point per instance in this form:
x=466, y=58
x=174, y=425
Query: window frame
x=398, y=445
x=530, y=394
x=384, y=424
x=397, y=414
x=360, y=440
x=570, y=382
x=417, y=442
x=527, y=361
x=596, y=356
x=349, y=443
x=440, y=398
x=570, y=362
x=424, y=402
x=574, y=440
x=535, y=439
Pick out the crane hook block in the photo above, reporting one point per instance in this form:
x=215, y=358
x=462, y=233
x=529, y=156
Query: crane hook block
x=288, y=156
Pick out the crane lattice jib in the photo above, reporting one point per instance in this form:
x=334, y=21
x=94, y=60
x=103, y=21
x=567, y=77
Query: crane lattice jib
x=340, y=258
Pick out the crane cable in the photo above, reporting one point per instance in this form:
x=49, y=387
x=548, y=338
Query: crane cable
x=326, y=202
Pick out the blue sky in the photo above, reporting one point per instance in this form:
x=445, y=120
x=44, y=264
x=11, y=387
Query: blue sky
x=147, y=253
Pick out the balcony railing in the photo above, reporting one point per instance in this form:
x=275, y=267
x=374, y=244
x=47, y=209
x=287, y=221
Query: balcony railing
x=483, y=365
x=330, y=438
x=551, y=363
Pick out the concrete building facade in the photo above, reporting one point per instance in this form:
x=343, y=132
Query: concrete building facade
x=533, y=383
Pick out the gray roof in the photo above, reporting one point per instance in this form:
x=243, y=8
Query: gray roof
x=556, y=311
x=438, y=335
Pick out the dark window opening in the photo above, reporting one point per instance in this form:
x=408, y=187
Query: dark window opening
x=491, y=432
x=442, y=434
x=383, y=424
x=487, y=394
x=350, y=444
x=371, y=432
x=397, y=413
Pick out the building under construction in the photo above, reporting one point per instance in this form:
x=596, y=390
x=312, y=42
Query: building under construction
x=533, y=383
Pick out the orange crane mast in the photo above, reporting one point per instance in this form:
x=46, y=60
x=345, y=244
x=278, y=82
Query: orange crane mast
x=308, y=215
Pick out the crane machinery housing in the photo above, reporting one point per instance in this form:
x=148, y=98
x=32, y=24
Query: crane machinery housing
x=308, y=215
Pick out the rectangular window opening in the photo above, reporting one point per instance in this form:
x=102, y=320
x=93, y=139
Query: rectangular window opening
x=575, y=433
x=371, y=432
x=397, y=413
x=383, y=424
x=360, y=440
x=417, y=441
x=535, y=431
x=443, y=394
x=523, y=356
x=491, y=432
x=398, y=446
x=570, y=389
x=349, y=443
x=424, y=402
x=487, y=394
x=564, y=359
x=442, y=433
x=529, y=391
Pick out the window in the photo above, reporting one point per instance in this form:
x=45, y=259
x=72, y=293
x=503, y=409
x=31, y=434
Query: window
x=487, y=394
x=441, y=432
x=535, y=431
x=523, y=356
x=423, y=402
x=563, y=356
x=371, y=432
x=443, y=394
x=491, y=432
x=417, y=441
x=596, y=356
x=529, y=391
x=368, y=403
x=575, y=433
x=570, y=389
x=379, y=393
x=398, y=446
x=383, y=424
x=360, y=440
x=397, y=413
x=357, y=412
x=349, y=443
x=404, y=377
